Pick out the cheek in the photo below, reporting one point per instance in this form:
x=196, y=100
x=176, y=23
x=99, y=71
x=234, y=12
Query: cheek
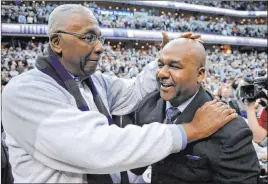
x=184, y=80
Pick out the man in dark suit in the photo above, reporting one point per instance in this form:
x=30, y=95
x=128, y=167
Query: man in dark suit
x=225, y=157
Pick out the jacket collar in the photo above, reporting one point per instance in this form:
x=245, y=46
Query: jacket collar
x=187, y=115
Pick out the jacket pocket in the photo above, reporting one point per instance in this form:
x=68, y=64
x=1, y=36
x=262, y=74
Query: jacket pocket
x=196, y=161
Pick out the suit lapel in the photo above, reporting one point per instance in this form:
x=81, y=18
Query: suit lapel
x=158, y=113
x=151, y=109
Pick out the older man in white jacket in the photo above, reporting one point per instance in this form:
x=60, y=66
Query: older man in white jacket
x=57, y=116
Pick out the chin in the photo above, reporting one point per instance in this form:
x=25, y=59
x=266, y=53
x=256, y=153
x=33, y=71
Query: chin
x=90, y=72
x=166, y=96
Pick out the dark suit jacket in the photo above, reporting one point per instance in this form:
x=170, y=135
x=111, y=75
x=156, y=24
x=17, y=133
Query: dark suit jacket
x=227, y=156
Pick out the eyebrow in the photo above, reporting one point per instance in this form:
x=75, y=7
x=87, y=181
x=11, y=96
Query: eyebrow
x=159, y=61
x=173, y=61
x=93, y=31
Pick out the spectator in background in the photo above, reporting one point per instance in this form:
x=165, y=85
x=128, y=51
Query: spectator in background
x=21, y=18
x=13, y=72
x=225, y=95
x=39, y=14
x=133, y=71
x=31, y=61
x=258, y=127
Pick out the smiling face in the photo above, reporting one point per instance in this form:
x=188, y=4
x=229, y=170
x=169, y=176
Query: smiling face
x=78, y=56
x=181, y=70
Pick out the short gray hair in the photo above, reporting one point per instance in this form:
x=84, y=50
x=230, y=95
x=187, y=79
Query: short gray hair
x=63, y=12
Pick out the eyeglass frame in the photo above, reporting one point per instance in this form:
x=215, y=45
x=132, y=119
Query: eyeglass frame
x=84, y=36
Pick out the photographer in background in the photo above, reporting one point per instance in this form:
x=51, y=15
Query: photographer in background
x=259, y=126
x=253, y=93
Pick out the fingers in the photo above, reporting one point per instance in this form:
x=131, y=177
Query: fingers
x=228, y=111
x=219, y=104
x=200, y=41
x=165, y=40
x=190, y=35
x=195, y=36
x=186, y=35
x=230, y=117
x=165, y=36
x=224, y=107
x=211, y=102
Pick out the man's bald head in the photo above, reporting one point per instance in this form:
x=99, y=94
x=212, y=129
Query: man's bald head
x=64, y=15
x=189, y=48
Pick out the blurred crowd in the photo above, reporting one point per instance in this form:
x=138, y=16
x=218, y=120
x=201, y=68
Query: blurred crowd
x=153, y=19
x=235, y=5
x=222, y=68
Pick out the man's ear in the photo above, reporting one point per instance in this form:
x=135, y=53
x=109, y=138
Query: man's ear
x=201, y=75
x=55, y=43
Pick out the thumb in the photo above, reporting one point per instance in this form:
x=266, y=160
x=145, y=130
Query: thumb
x=165, y=39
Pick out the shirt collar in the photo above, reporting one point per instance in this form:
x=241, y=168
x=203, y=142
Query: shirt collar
x=77, y=79
x=182, y=106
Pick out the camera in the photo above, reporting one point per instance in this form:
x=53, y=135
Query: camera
x=253, y=89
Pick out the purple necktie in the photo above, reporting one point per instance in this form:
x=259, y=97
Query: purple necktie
x=171, y=114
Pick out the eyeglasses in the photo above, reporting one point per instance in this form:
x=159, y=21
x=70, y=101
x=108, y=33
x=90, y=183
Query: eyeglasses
x=89, y=38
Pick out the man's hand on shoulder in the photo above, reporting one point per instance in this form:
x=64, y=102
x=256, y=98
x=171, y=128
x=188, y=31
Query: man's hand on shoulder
x=208, y=119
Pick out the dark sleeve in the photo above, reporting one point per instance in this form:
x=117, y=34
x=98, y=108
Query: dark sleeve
x=237, y=161
x=139, y=171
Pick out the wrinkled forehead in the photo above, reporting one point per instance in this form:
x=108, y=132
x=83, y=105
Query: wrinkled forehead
x=84, y=22
x=175, y=51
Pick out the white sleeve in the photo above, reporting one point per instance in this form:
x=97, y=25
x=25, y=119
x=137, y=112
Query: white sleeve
x=62, y=137
x=125, y=94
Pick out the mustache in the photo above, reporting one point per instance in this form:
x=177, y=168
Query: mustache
x=165, y=81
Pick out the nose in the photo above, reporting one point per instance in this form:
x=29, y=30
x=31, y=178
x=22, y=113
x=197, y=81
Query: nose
x=163, y=72
x=98, y=49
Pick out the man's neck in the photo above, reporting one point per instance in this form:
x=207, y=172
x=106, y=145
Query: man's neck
x=176, y=103
x=185, y=103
